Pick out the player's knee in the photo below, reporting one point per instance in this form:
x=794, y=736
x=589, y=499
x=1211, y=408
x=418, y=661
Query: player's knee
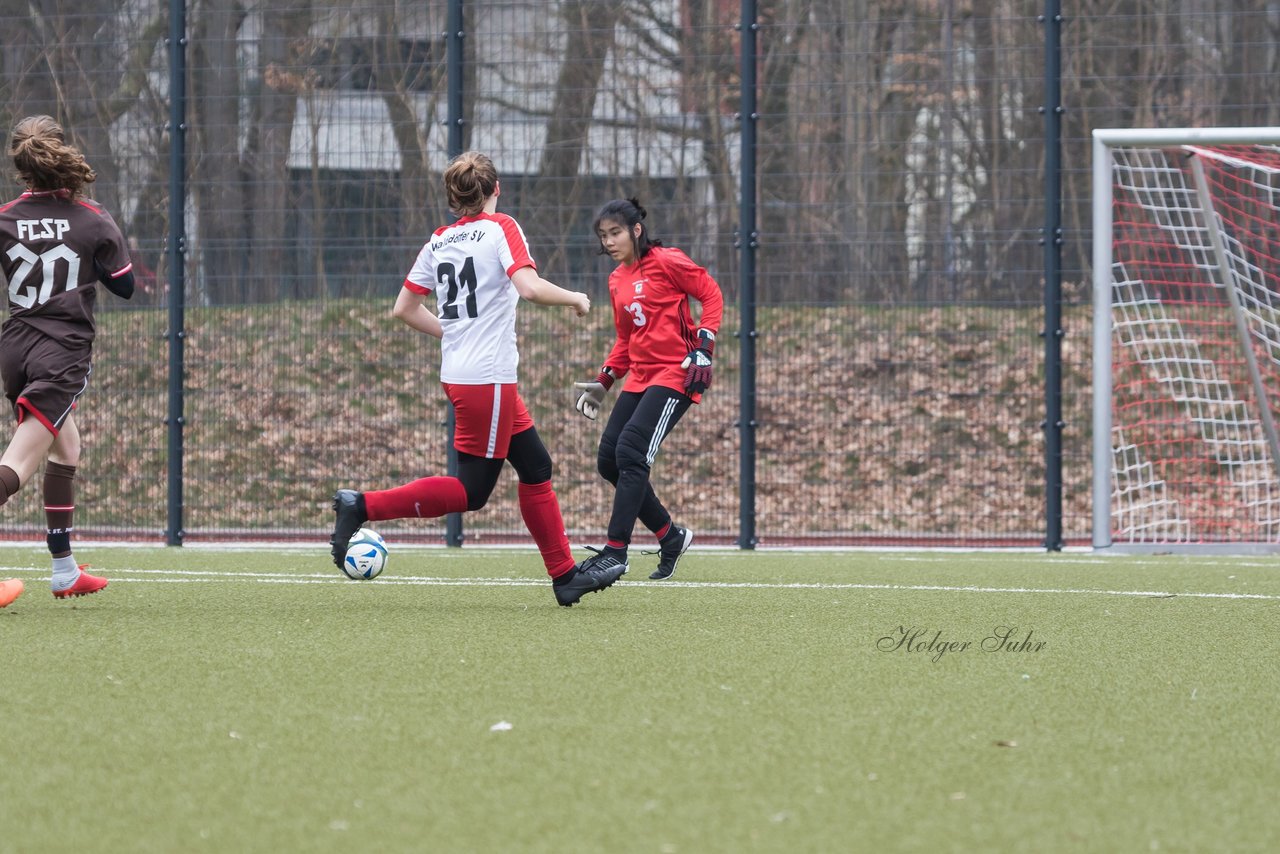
x=65, y=459
x=530, y=457
x=535, y=468
x=65, y=449
x=608, y=467
x=632, y=452
x=478, y=488
x=540, y=473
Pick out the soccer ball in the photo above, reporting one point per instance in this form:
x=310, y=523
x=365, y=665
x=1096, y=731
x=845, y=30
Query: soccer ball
x=366, y=555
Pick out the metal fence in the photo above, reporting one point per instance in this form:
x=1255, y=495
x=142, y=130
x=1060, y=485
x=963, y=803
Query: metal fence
x=891, y=286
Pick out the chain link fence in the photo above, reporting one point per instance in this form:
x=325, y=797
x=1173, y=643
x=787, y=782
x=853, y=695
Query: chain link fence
x=899, y=382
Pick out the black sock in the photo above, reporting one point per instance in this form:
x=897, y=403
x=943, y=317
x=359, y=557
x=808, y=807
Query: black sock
x=9, y=483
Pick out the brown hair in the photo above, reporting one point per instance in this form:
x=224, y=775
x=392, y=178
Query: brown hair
x=627, y=213
x=470, y=179
x=43, y=158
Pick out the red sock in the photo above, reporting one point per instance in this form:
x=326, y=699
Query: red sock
x=541, y=513
x=425, y=498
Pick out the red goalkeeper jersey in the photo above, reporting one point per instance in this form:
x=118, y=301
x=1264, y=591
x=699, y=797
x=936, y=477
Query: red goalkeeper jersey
x=654, y=320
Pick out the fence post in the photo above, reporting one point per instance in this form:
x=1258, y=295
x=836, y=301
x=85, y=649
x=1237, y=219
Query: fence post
x=176, y=244
x=748, y=242
x=454, y=34
x=1051, y=238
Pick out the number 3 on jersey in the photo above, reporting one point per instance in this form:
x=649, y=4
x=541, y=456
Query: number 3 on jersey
x=454, y=282
x=636, y=310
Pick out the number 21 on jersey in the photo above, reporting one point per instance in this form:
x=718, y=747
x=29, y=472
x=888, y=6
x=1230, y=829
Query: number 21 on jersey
x=454, y=283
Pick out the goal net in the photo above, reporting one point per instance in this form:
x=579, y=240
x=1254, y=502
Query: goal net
x=1186, y=254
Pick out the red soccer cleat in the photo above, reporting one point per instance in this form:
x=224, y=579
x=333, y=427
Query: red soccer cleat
x=84, y=585
x=10, y=590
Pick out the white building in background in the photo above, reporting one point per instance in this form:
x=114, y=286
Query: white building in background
x=352, y=132
x=639, y=126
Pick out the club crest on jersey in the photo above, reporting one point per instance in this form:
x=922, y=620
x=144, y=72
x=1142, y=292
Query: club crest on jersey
x=639, y=286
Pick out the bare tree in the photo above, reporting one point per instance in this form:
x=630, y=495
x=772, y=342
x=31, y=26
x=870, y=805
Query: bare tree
x=558, y=192
x=26, y=58
x=218, y=178
x=412, y=96
x=273, y=113
x=712, y=86
x=86, y=67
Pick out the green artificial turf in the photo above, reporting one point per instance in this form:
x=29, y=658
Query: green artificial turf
x=253, y=701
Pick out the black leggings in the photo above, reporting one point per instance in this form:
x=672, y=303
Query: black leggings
x=527, y=455
x=638, y=424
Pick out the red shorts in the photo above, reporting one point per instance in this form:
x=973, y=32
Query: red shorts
x=487, y=417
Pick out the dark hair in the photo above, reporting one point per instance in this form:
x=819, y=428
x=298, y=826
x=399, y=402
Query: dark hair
x=469, y=180
x=628, y=212
x=44, y=160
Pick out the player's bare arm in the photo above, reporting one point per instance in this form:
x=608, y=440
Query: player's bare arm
x=534, y=288
x=411, y=309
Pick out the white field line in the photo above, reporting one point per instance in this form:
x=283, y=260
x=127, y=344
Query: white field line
x=177, y=576
x=1032, y=557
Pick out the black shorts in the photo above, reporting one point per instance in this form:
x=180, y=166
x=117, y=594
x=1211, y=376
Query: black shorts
x=43, y=377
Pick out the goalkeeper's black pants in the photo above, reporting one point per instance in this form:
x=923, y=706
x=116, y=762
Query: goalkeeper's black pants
x=638, y=424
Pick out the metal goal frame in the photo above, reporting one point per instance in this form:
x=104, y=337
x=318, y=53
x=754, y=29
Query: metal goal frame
x=1104, y=140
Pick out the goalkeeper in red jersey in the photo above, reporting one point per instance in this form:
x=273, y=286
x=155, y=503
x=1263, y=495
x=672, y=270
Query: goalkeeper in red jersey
x=666, y=360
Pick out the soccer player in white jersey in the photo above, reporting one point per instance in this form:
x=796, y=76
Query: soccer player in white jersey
x=479, y=267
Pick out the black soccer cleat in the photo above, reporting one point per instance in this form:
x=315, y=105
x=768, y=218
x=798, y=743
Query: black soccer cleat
x=594, y=573
x=349, y=507
x=677, y=542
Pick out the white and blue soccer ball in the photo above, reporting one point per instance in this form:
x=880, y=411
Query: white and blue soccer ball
x=366, y=555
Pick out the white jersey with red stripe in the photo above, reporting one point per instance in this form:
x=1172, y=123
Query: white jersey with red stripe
x=469, y=265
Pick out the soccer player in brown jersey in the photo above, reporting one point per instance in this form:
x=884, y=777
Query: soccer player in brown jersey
x=666, y=360
x=55, y=245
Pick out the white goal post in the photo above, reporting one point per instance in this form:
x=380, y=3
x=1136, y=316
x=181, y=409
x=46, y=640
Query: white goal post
x=1186, y=339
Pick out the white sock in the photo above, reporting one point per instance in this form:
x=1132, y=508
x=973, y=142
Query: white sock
x=65, y=572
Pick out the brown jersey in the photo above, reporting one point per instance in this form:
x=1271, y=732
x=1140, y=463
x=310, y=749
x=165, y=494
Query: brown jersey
x=49, y=244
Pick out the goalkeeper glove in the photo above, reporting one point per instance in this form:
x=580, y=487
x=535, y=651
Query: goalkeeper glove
x=697, y=364
x=591, y=394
